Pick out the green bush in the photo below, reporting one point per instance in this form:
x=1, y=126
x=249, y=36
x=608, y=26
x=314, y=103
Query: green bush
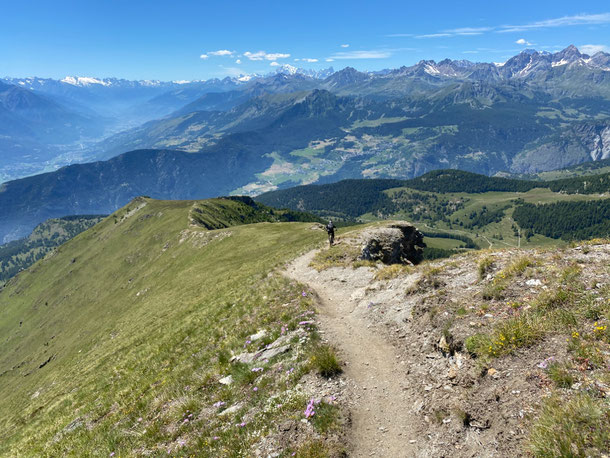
x=578, y=427
x=325, y=361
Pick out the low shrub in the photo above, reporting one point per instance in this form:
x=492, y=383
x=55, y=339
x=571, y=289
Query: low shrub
x=325, y=361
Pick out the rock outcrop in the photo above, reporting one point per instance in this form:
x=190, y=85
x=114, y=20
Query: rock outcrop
x=396, y=243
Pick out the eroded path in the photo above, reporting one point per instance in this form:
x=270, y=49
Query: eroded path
x=381, y=411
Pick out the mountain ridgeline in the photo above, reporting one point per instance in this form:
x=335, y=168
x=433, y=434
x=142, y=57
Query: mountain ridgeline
x=249, y=135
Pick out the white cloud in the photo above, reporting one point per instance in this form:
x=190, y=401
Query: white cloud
x=238, y=61
x=221, y=52
x=262, y=55
x=523, y=41
x=579, y=19
x=329, y=60
x=593, y=49
x=434, y=35
x=204, y=56
x=309, y=60
x=274, y=64
x=345, y=46
x=468, y=30
x=296, y=60
x=565, y=21
x=361, y=55
x=470, y=52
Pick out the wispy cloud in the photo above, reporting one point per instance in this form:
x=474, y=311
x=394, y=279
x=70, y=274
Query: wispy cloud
x=435, y=35
x=274, y=64
x=221, y=52
x=204, y=56
x=468, y=30
x=309, y=60
x=345, y=46
x=523, y=41
x=238, y=61
x=262, y=55
x=328, y=59
x=580, y=19
x=361, y=55
x=565, y=21
x=593, y=49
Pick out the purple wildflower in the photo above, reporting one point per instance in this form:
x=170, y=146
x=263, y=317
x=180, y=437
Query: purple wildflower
x=304, y=294
x=309, y=411
x=544, y=364
x=216, y=438
x=257, y=369
x=255, y=388
x=219, y=404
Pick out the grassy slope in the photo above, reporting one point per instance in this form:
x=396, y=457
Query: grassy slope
x=136, y=316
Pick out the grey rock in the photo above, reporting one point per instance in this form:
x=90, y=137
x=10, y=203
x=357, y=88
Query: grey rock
x=230, y=410
x=258, y=336
x=396, y=243
x=272, y=352
x=228, y=380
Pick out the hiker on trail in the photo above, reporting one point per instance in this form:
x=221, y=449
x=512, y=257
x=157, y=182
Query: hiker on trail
x=330, y=228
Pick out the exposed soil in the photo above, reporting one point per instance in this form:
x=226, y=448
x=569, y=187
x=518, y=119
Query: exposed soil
x=381, y=425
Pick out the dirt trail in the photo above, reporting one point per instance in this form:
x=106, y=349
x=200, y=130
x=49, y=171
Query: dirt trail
x=381, y=411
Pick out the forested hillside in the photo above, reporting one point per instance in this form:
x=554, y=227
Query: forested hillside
x=20, y=254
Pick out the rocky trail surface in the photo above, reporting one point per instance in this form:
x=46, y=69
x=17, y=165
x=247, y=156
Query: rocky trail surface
x=381, y=423
x=413, y=387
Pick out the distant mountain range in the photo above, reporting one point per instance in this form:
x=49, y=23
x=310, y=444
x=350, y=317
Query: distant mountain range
x=255, y=133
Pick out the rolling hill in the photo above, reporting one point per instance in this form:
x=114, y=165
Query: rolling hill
x=122, y=326
x=149, y=334
x=491, y=210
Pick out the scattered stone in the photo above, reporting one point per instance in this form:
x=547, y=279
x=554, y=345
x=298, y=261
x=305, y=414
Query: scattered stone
x=230, y=410
x=272, y=352
x=452, y=373
x=533, y=282
x=228, y=380
x=258, y=336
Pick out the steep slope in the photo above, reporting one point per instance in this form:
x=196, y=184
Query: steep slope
x=21, y=254
x=120, y=342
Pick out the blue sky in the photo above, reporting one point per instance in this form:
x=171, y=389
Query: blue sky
x=186, y=40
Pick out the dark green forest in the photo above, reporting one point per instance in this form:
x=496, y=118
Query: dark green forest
x=566, y=220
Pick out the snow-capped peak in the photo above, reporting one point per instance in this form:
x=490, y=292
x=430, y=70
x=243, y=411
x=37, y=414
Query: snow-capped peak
x=83, y=81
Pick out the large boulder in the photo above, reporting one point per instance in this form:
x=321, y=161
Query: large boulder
x=395, y=243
